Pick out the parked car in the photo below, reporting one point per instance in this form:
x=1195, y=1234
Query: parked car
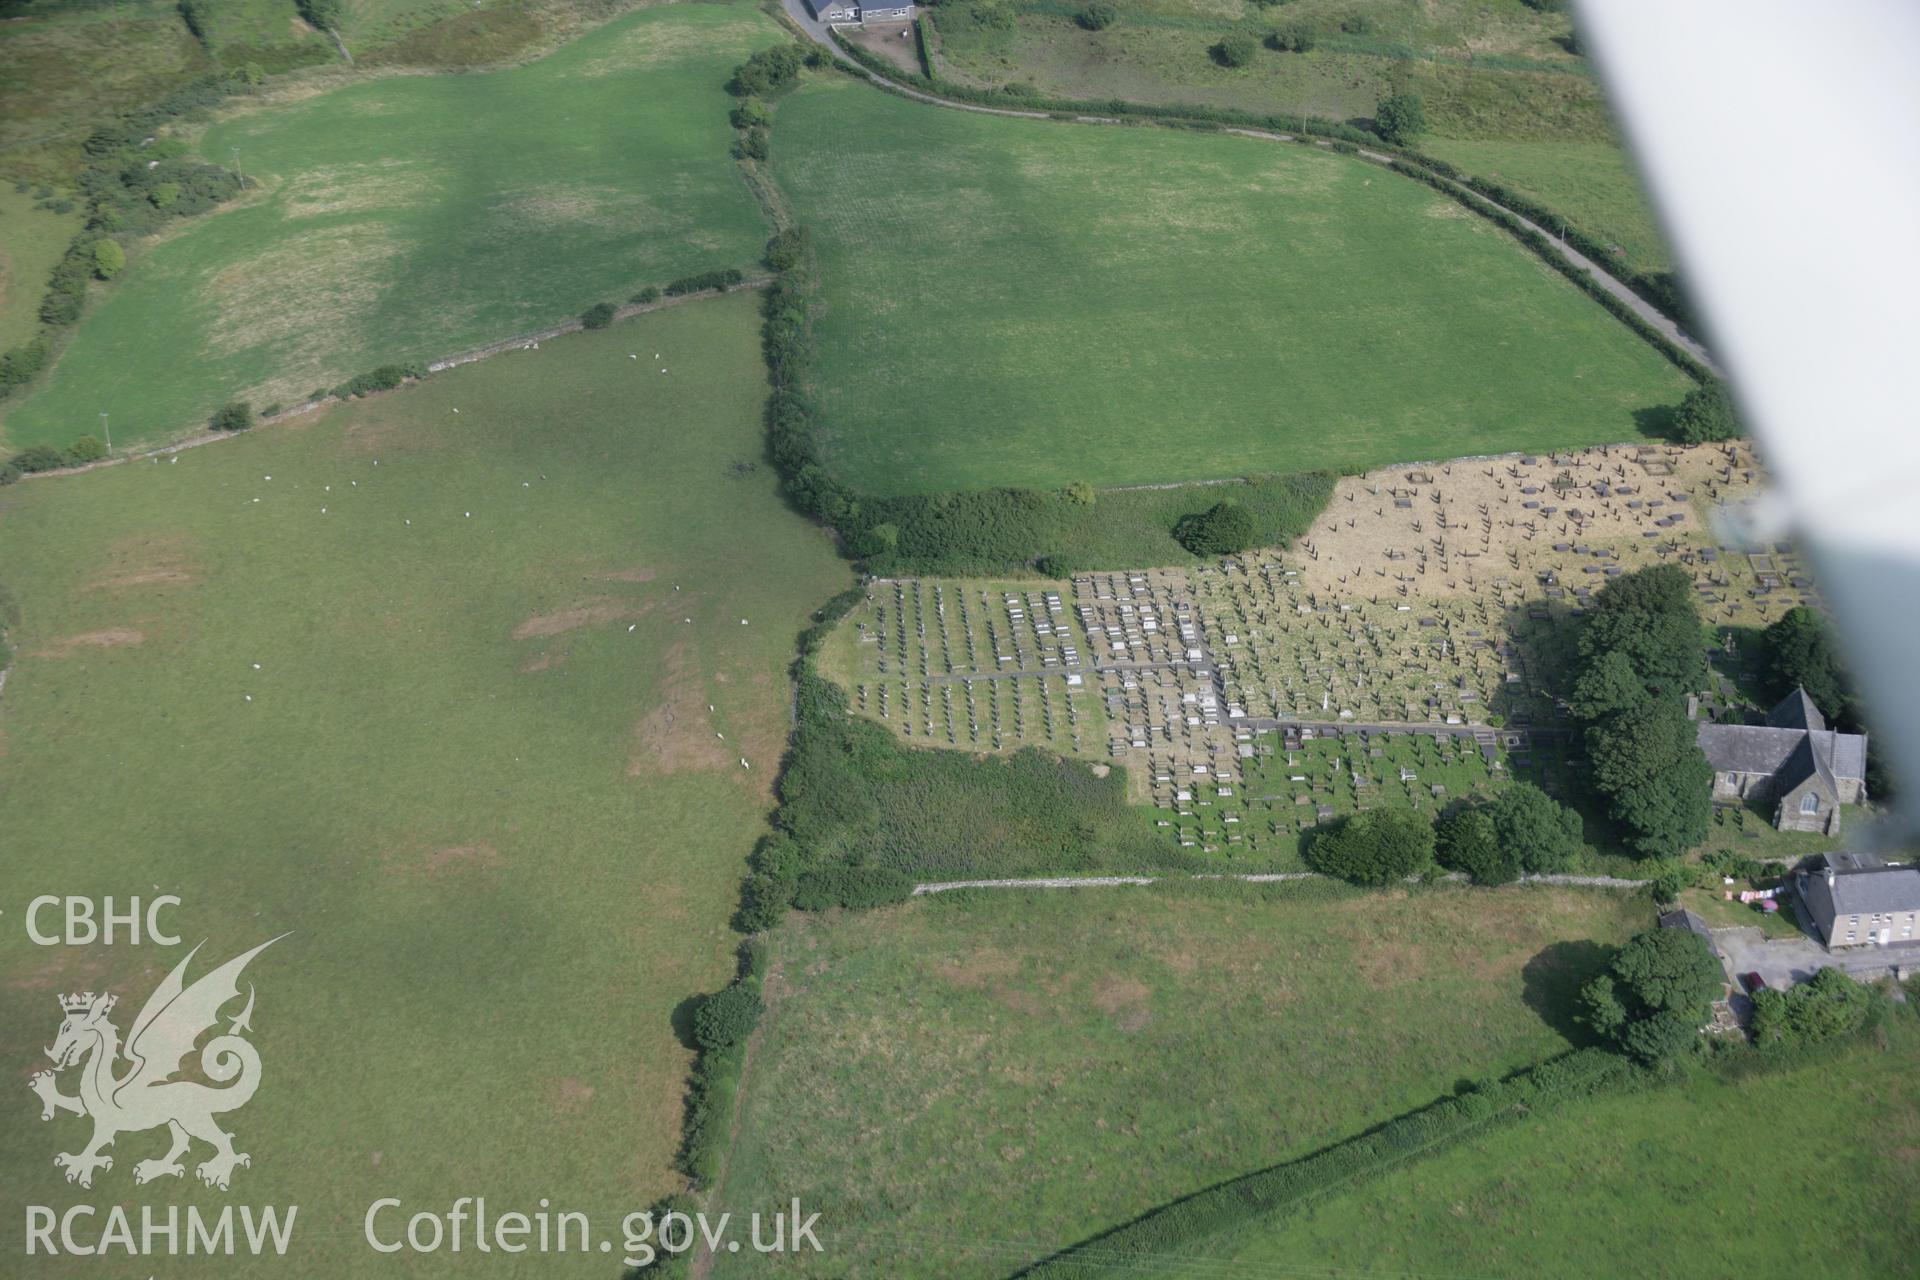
x=1752, y=982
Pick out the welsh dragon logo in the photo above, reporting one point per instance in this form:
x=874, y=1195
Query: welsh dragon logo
x=145, y=1096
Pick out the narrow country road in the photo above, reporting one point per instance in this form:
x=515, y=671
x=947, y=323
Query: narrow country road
x=817, y=31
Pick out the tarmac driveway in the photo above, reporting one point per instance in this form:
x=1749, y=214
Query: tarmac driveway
x=1785, y=961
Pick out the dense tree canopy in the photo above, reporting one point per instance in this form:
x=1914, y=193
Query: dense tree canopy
x=1828, y=1004
x=1649, y=617
x=1534, y=828
x=1705, y=416
x=1801, y=652
x=1656, y=994
x=1377, y=847
x=1223, y=529
x=1468, y=841
x=1641, y=651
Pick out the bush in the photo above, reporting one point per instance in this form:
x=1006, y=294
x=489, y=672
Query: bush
x=1400, y=118
x=1223, y=529
x=1098, y=16
x=1378, y=847
x=649, y=294
x=235, y=415
x=767, y=72
x=21, y=364
x=322, y=14
x=1828, y=1005
x=598, y=316
x=752, y=113
x=1467, y=841
x=1533, y=827
x=86, y=449
x=1295, y=37
x=9, y=473
x=726, y=1018
x=1705, y=416
x=108, y=258
x=38, y=457
x=753, y=144
x=1235, y=50
x=788, y=248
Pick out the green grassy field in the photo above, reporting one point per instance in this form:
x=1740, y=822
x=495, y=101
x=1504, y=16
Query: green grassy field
x=409, y=217
x=31, y=242
x=1494, y=69
x=964, y=1085
x=1592, y=183
x=477, y=776
x=1015, y=302
x=1809, y=1172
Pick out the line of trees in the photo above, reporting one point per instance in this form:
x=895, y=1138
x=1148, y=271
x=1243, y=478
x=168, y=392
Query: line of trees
x=1520, y=830
x=1642, y=651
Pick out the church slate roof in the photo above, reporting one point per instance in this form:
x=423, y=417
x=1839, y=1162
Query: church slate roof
x=1794, y=745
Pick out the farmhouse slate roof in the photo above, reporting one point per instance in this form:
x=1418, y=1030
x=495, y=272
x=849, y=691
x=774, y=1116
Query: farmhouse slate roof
x=1839, y=891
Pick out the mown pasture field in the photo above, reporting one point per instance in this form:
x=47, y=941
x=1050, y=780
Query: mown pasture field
x=1716, y=1177
x=478, y=776
x=1027, y=302
x=407, y=217
x=966, y=1084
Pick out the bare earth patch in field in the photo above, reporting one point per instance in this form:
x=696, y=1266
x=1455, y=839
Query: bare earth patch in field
x=110, y=638
x=678, y=735
x=147, y=562
x=461, y=857
x=592, y=613
x=362, y=188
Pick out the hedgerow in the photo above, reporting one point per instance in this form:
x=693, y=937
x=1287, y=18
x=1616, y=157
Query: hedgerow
x=722, y=1025
x=384, y=378
x=723, y=279
x=1137, y=1247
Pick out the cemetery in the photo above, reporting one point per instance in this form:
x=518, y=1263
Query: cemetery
x=1393, y=656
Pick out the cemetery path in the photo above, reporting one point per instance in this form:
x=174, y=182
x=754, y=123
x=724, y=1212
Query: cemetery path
x=818, y=32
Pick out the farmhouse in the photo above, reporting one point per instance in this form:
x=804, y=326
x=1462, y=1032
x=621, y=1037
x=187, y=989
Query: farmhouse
x=1793, y=759
x=850, y=11
x=1857, y=899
